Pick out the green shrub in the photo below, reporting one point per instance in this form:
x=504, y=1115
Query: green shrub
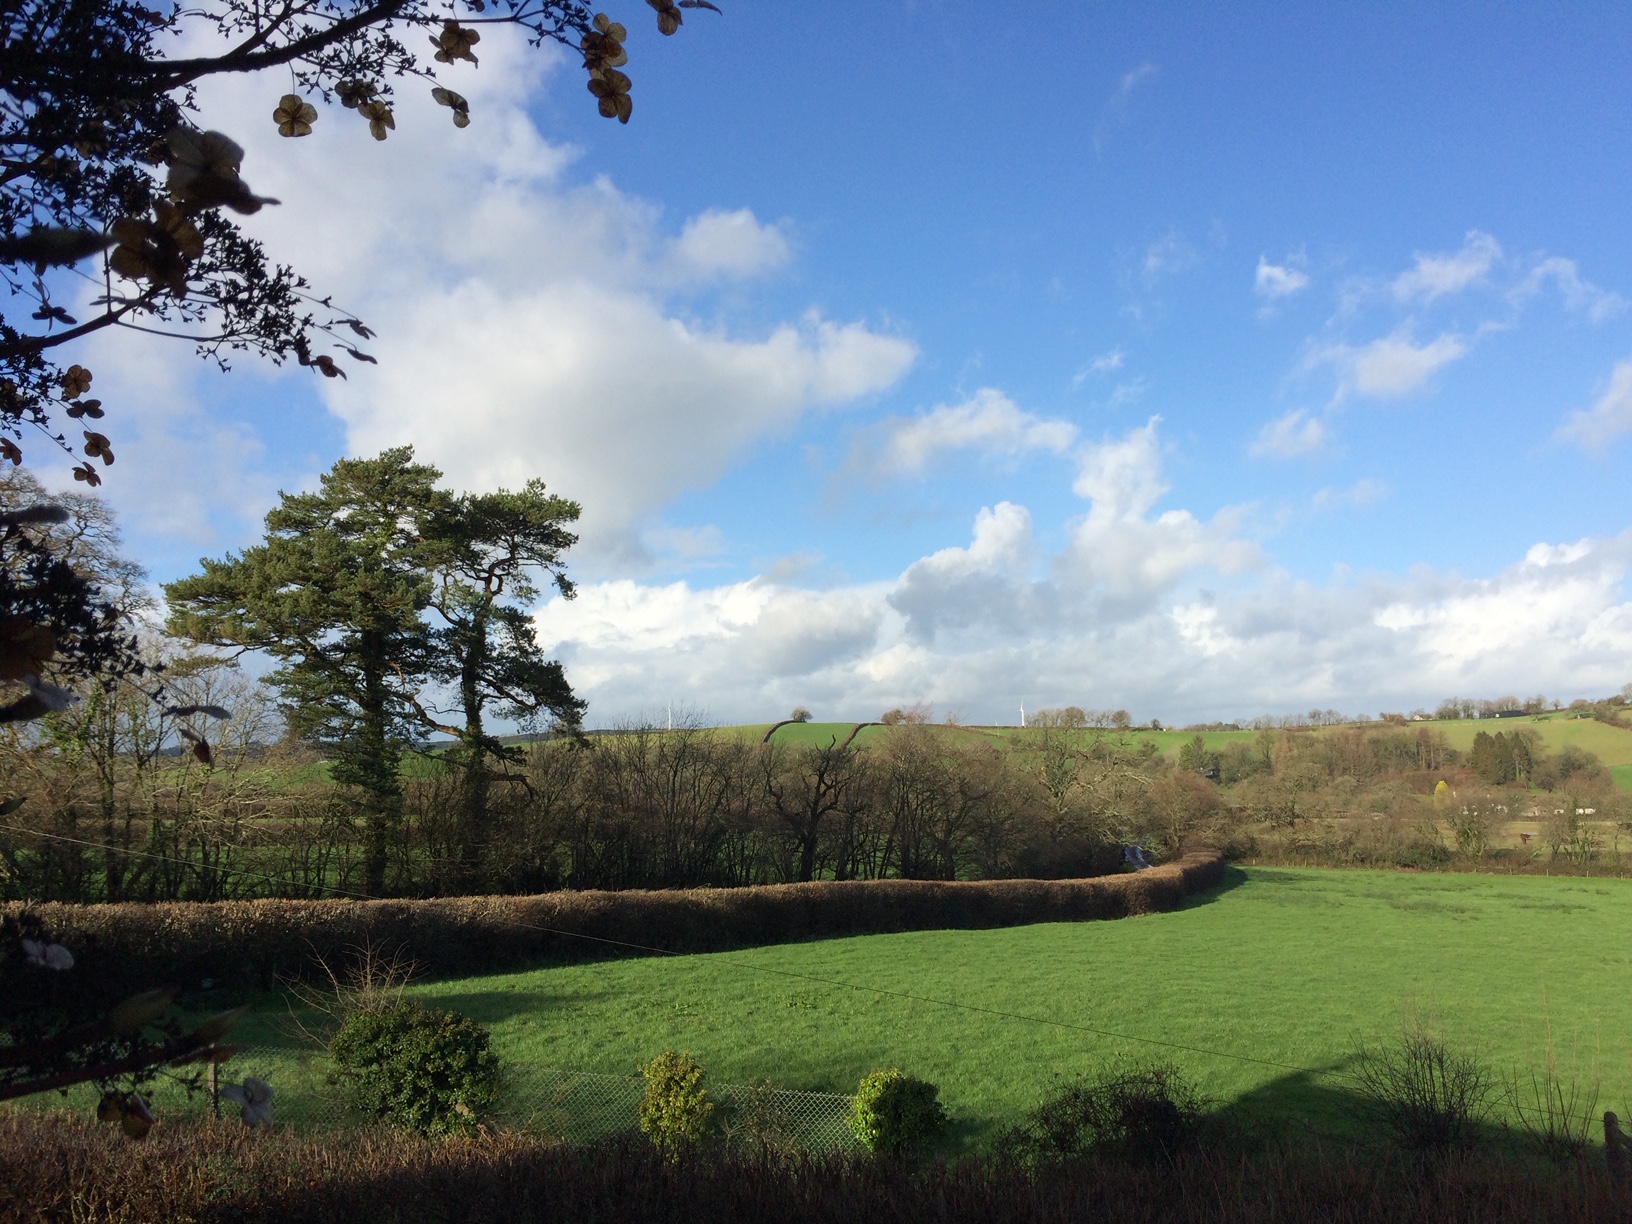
x=676, y=1110
x=426, y=1069
x=894, y=1113
x=1143, y=1112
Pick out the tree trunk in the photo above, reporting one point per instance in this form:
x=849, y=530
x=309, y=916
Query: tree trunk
x=478, y=778
x=377, y=758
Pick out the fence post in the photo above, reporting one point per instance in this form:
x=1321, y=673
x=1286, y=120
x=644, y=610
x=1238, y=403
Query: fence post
x=214, y=1086
x=1615, y=1148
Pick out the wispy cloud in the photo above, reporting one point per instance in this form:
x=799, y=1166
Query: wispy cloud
x=1105, y=363
x=1361, y=493
x=1115, y=111
x=1610, y=415
x=1437, y=276
x=685, y=543
x=1276, y=281
x=1578, y=293
x=1167, y=256
x=1129, y=392
x=1391, y=366
x=1286, y=437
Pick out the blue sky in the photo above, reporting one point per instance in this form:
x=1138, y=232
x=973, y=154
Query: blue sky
x=1194, y=361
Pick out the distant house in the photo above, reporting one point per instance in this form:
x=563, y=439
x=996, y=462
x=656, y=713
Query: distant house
x=1509, y=714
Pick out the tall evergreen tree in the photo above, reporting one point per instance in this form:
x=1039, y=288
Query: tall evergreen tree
x=490, y=555
x=335, y=594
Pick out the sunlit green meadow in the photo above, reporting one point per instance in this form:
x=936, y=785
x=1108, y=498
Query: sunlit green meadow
x=1288, y=970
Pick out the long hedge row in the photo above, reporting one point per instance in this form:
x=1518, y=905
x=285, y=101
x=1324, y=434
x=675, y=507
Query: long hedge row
x=254, y=944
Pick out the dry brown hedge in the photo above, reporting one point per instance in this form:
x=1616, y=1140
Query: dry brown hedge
x=60, y=1168
x=253, y=944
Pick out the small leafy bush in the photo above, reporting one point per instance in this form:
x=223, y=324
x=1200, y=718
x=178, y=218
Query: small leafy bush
x=894, y=1113
x=1143, y=1112
x=1430, y=1098
x=425, y=1069
x=677, y=1109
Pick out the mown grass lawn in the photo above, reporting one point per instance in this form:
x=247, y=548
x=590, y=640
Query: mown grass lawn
x=1292, y=966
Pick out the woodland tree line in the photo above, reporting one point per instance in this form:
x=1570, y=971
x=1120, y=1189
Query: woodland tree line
x=395, y=609
x=648, y=807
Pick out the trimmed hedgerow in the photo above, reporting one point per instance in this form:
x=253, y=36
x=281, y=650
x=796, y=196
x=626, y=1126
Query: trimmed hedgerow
x=255, y=944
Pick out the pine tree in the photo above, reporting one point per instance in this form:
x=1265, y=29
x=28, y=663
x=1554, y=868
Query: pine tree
x=335, y=594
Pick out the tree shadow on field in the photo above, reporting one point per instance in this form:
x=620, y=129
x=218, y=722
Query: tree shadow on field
x=1233, y=879
x=493, y=1006
x=1324, y=1106
x=1312, y=1104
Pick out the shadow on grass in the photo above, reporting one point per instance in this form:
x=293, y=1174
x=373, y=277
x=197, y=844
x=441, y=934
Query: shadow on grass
x=1300, y=1104
x=494, y=1006
x=1325, y=1105
x=1233, y=879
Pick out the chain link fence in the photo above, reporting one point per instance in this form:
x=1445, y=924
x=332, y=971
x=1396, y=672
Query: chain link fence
x=579, y=1106
x=556, y=1103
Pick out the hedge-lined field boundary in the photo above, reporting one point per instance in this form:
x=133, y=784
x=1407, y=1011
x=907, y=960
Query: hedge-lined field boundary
x=251, y=945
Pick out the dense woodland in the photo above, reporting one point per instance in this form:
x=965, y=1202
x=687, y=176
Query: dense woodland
x=104, y=808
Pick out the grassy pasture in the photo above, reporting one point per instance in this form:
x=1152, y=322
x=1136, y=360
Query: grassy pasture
x=1287, y=965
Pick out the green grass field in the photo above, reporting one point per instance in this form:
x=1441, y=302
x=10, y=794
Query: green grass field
x=1292, y=966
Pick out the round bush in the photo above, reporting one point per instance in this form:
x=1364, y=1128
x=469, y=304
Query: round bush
x=676, y=1110
x=894, y=1113
x=422, y=1068
x=1141, y=1112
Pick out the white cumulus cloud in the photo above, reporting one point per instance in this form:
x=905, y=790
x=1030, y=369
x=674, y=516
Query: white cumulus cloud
x=977, y=628
x=1120, y=553
x=529, y=325
x=988, y=422
x=732, y=244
